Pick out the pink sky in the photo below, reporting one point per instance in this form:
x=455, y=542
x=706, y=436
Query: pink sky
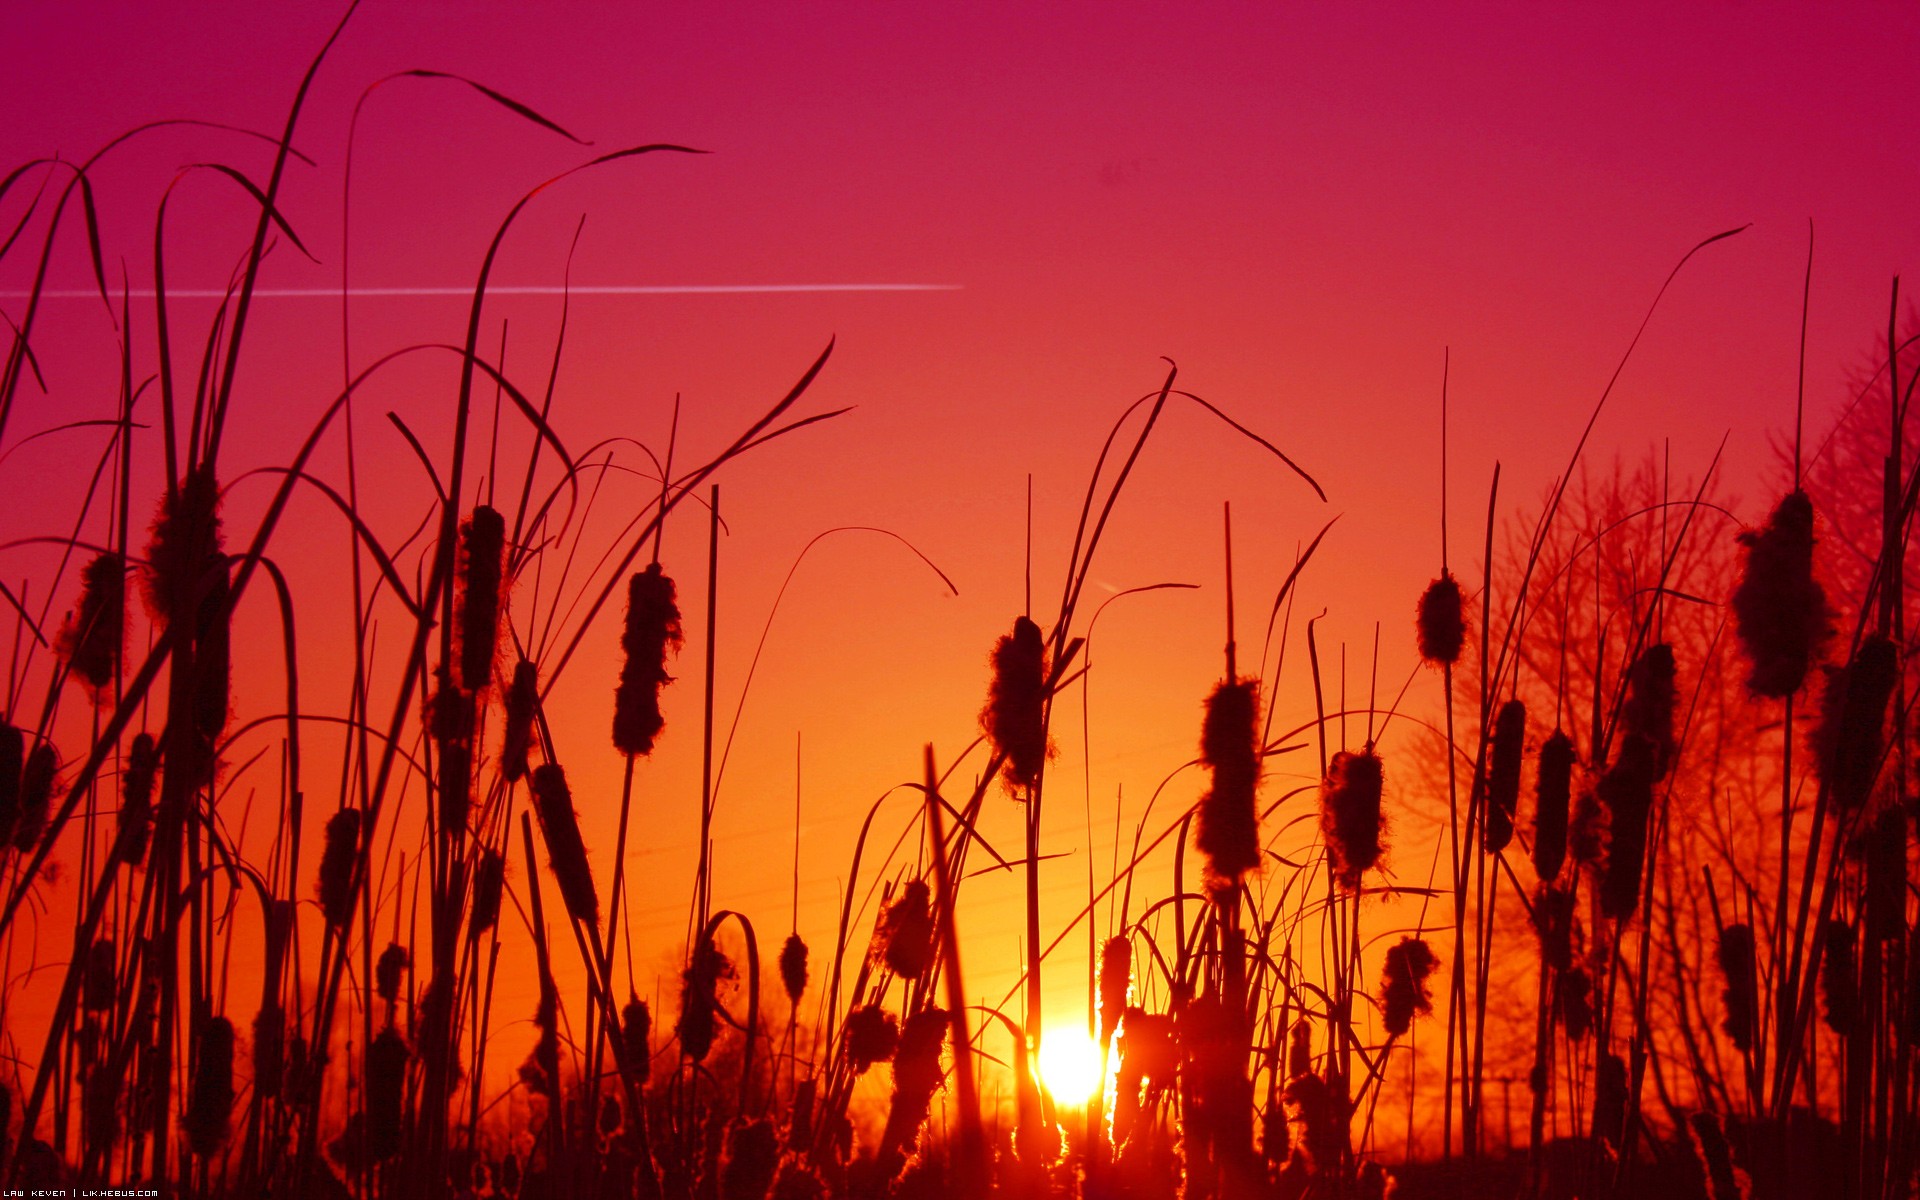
x=1301, y=205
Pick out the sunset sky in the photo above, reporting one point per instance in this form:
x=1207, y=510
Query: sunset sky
x=1303, y=206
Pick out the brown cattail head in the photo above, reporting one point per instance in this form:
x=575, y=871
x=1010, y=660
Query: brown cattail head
x=1015, y=716
x=96, y=630
x=699, y=998
x=210, y=1102
x=1839, y=977
x=567, y=853
x=136, y=802
x=1627, y=791
x=387, y=971
x=184, y=541
x=870, y=1035
x=1403, y=984
x=13, y=759
x=906, y=931
x=1853, y=713
x=483, y=537
x=1116, y=982
x=1779, y=609
x=916, y=1073
x=1735, y=954
x=636, y=1027
x=523, y=694
x=652, y=629
x=1229, y=826
x=1316, y=1122
x=1724, y=1180
x=336, y=867
x=269, y=1050
x=36, y=796
x=1587, y=831
x=1648, y=710
x=793, y=967
x=450, y=719
x=101, y=987
x=1553, y=787
x=386, y=1093
x=753, y=1151
x=489, y=873
x=1350, y=817
x=1573, y=1003
x=1442, y=627
x=1502, y=792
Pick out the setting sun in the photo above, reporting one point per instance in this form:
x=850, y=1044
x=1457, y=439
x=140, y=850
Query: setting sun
x=1070, y=1064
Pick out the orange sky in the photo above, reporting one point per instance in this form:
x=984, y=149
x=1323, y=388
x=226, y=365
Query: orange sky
x=1301, y=206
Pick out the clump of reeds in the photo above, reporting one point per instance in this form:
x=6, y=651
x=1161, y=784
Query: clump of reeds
x=1552, y=789
x=1502, y=791
x=793, y=967
x=1649, y=706
x=482, y=562
x=1848, y=739
x=92, y=638
x=335, y=888
x=1015, y=716
x=210, y=1102
x=36, y=796
x=1403, y=984
x=517, y=736
x=1724, y=1180
x=1350, y=819
x=1228, y=830
x=1735, y=953
x=1627, y=791
x=870, y=1035
x=906, y=931
x=1779, y=608
x=136, y=801
x=652, y=629
x=567, y=853
x=1440, y=621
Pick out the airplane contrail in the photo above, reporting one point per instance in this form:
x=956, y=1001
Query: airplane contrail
x=617, y=289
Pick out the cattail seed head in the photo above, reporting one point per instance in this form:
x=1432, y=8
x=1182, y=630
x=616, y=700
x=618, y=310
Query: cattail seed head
x=387, y=971
x=136, y=802
x=451, y=720
x=1228, y=831
x=1573, y=1004
x=753, y=1151
x=1627, y=791
x=636, y=1024
x=699, y=998
x=1442, y=627
x=1015, y=716
x=210, y=1101
x=101, y=987
x=483, y=538
x=916, y=1074
x=1648, y=710
x=610, y=1116
x=1116, y=982
x=567, y=853
x=36, y=796
x=336, y=867
x=489, y=874
x=13, y=759
x=793, y=967
x=1350, y=818
x=1724, y=1180
x=1553, y=921
x=92, y=638
x=1587, y=831
x=1553, y=787
x=1736, y=958
x=906, y=931
x=1848, y=741
x=523, y=694
x=1502, y=791
x=652, y=630
x=184, y=541
x=870, y=1035
x=1839, y=978
x=386, y=1093
x=1779, y=609
x=269, y=1050
x=1403, y=984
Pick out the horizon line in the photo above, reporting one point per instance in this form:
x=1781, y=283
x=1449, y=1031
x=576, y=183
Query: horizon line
x=617, y=289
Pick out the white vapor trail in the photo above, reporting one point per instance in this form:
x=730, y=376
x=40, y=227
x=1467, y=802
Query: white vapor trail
x=618, y=289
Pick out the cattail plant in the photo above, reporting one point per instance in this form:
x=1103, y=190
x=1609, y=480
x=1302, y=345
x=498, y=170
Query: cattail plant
x=1350, y=818
x=386, y=1093
x=1403, y=984
x=1573, y=1004
x=136, y=801
x=1848, y=740
x=1442, y=629
x=36, y=796
x=335, y=888
x=523, y=694
x=652, y=630
x=269, y=1050
x=1779, y=608
x=387, y=970
x=489, y=875
x=699, y=998
x=1648, y=710
x=1116, y=984
x=1839, y=977
x=1627, y=791
x=1735, y=954
x=553, y=803
x=1553, y=787
x=1884, y=848
x=753, y=1152
x=870, y=1035
x=1228, y=831
x=1724, y=1180
x=793, y=967
x=92, y=638
x=636, y=1027
x=1014, y=718
x=1553, y=921
x=1502, y=790
x=905, y=935
x=916, y=1075
x=13, y=759
x=482, y=556
x=450, y=719
x=1587, y=831
x=210, y=1102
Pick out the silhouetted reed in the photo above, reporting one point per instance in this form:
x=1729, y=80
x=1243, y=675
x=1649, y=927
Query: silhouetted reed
x=94, y=633
x=1552, y=790
x=1403, y=984
x=1014, y=716
x=1779, y=609
x=1501, y=792
x=1350, y=817
x=652, y=630
x=1439, y=620
x=1229, y=828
